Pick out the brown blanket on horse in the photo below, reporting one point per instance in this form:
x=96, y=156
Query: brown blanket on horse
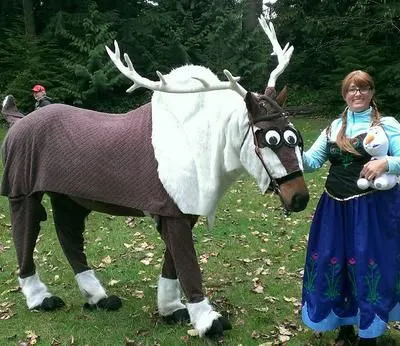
x=82, y=153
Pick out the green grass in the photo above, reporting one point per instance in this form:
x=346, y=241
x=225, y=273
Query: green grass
x=252, y=243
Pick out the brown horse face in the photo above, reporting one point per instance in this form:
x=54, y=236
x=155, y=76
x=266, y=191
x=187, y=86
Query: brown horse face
x=278, y=148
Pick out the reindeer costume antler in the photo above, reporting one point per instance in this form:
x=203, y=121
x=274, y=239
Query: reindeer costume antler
x=163, y=85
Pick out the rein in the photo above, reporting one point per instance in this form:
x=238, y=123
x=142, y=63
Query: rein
x=275, y=185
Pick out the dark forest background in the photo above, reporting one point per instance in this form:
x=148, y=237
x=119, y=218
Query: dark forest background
x=60, y=44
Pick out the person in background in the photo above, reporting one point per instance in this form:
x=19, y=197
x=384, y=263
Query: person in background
x=39, y=93
x=352, y=267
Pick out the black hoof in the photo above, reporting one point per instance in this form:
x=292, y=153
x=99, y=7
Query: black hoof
x=216, y=331
x=51, y=303
x=226, y=325
x=110, y=303
x=178, y=316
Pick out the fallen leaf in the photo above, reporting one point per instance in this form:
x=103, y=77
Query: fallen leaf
x=106, y=260
x=55, y=342
x=291, y=300
x=139, y=294
x=5, y=311
x=113, y=282
x=257, y=287
x=146, y=261
x=283, y=338
x=32, y=337
x=193, y=332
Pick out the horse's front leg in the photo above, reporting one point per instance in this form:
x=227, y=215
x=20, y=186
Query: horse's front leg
x=26, y=214
x=170, y=306
x=69, y=220
x=181, y=263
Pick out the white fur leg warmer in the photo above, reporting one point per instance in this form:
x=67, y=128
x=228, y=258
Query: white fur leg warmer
x=169, y=296
x=90, y=286
x=202, y=316
x=34, y=290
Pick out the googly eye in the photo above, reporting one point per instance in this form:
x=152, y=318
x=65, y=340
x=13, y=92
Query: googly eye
x=290, y=137
x=272, y=137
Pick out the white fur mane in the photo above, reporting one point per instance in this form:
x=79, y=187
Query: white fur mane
x=196, y=139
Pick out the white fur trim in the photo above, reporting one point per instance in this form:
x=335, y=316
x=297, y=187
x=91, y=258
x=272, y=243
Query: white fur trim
x=202, y=316
x=168, y=296
x=90, y=286
x=196, y=139
x=34, y=290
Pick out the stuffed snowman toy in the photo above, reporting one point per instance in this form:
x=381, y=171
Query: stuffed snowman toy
x=376, y=144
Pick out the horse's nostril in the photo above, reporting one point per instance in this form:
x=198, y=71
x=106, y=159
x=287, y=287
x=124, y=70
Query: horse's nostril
x=300, y=201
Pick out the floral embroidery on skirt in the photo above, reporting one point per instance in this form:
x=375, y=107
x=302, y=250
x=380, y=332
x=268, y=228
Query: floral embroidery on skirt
x=352, y=269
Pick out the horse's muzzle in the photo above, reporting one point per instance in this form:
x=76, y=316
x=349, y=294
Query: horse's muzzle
x=294, y=193
x=299, y=201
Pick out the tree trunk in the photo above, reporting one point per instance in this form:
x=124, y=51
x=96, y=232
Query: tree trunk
x=252, y=10
x=29, y=18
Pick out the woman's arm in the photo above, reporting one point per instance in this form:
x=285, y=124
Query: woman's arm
x=392, y=129
x=316, y=156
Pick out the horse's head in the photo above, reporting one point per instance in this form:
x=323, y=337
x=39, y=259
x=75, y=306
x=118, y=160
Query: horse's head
x=272, y=149
x=10, y=111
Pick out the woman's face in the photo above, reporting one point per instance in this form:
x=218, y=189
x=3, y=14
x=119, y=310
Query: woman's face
x=38, y=95
x=358, y=98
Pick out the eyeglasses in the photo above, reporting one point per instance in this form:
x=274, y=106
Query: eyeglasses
x=362, y=91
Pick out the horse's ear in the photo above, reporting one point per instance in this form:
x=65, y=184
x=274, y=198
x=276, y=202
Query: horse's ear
x=252, y=105
x=270, y=91
x=281, y=98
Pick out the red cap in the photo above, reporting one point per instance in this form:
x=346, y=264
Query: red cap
x=37, y=88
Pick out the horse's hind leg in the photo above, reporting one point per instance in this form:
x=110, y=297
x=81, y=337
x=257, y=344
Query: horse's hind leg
x=69, y=220
x=181, y=262
x=26, y=214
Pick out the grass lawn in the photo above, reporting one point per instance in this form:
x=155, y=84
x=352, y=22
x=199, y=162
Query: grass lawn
x=252, y=264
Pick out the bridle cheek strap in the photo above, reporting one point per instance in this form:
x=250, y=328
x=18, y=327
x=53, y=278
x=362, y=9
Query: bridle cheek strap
x=273, y=182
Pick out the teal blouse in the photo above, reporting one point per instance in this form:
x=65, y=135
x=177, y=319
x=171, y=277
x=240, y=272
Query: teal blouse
x=357, y=122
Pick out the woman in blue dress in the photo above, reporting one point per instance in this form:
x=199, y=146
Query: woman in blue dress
x=352, y=268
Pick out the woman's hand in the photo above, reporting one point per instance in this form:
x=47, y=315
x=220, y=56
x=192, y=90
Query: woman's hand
x=373, y=169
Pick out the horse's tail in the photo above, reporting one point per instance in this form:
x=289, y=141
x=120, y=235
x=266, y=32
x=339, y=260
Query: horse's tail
x=10, y=111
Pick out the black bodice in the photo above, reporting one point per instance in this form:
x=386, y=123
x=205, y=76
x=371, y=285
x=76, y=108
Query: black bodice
x=345, y=168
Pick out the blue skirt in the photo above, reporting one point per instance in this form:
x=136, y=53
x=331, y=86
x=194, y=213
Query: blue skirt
x=352, y=269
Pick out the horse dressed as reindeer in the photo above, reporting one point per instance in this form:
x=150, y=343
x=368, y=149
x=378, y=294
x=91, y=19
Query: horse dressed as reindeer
x=171, y=159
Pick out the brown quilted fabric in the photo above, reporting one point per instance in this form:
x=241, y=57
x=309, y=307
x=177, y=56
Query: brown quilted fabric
x=83, y=153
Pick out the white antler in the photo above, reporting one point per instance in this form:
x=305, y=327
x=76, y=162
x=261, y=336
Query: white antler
x=283, y=55
x=162, y=85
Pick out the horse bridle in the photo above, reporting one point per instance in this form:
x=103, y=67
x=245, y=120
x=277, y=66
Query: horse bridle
x=275, y=182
